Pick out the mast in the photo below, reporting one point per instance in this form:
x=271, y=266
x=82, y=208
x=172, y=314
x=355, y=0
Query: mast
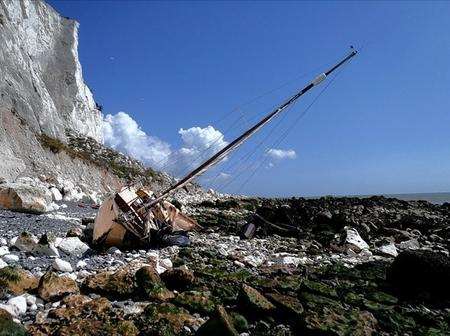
x=247, y=134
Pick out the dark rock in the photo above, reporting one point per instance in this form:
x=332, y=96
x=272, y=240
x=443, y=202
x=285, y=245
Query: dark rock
x=178, y=278
x=149, y=283
x=288, y=306
x=248, y=231
x=119, y=283
x=165, y=319
x=221, y=324
x=253, y=302
x=423, y=274
x=196, y=302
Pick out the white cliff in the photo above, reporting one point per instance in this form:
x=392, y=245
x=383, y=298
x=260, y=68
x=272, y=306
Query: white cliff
x=43, y=95
x=41, y=77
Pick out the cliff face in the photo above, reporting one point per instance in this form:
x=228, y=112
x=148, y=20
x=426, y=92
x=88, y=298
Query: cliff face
x=43, y=95
x=41, y=74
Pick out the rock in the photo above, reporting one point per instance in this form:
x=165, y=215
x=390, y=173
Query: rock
x=165, y=318
x=19, y=304
x=4, y=250
x=178, y=278
x=196, y=302
x=73, y=246
x=388, y=250
x=73, y=194
x=81, y=264
x=412, y=244
x=17, y=280
x=74, y=232
x=7, y=326
x=287, y=306
x=2, y=264
x=52, y=287
x=254, y=302
x=27, y=197
x=248, y=231
x=113, y=250
x=76, y=300
x=56, y=194
x=421, y=273
x=166, y=263
x=119, y=283
x=3, y=242
x=26, y=242
x=46, y=247
x=61, y=265
x=221, y=324
x=354, y=241
x=10, y=258
x=149, y=282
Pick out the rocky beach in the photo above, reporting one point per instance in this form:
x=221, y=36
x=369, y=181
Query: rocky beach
x=331, y=266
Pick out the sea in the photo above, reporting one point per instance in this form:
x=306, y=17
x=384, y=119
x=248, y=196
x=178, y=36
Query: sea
x=436, y=198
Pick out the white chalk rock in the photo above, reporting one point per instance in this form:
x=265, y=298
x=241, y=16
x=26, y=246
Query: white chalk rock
x=3, y=250
x=56, y=194
x=354, y=240
x=3, y=242
x=388, y=250
x=81, y=264
x=62, y=265
x=10, y=258
x=73, y=246
x=2, y=264
x=19, y=304
x=9, y=308
x=27, y=196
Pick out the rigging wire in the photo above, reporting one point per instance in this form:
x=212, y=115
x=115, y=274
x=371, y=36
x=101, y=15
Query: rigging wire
x=289, y=129
x=239, y=108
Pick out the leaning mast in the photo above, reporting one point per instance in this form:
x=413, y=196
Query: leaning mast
x=247, y=134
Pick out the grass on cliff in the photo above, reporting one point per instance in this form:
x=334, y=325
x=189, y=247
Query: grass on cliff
x=109, y=162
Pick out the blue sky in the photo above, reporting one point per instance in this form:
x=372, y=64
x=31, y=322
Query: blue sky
x=383, y=126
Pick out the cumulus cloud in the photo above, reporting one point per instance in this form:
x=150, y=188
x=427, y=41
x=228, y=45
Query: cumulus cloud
x=121, y=132
x=281, y=154
x=198, y=145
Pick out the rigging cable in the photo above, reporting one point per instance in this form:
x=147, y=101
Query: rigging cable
x=286, y=133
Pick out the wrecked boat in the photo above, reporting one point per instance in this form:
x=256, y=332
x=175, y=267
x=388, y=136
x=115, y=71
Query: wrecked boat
x=136, y=215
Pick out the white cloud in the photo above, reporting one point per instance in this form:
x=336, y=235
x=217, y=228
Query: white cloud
x=121, y=132
x=281, y=154
x=198, y=145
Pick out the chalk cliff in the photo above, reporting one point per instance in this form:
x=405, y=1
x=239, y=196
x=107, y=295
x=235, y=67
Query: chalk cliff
x=43, y=95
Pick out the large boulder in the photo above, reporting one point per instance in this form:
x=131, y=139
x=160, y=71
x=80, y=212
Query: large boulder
x=221, y=324
x=421, y=274
x=16, y=280
x=149, y=282
x=120, y=283
x=52, y=287
x=26, y=196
